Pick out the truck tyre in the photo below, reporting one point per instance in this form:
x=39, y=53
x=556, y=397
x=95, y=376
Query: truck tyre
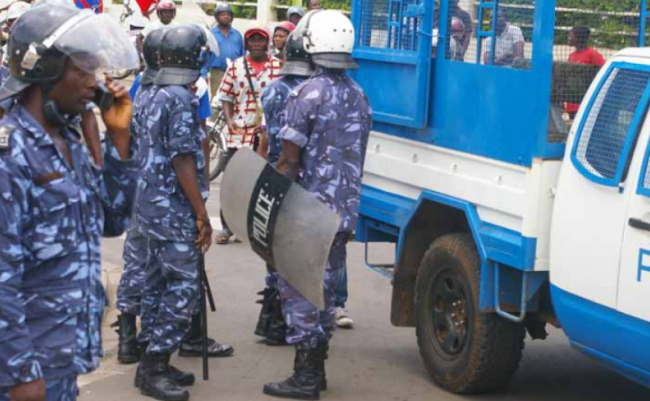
x=464, y=350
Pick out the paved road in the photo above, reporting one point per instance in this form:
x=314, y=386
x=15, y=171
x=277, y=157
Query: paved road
x=374, y=361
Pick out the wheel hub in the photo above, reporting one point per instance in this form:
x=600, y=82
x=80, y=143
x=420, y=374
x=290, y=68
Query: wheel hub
x=450, y=322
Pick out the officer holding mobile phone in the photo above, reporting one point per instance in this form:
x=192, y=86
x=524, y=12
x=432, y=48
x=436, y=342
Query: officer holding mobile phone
x=56, y=201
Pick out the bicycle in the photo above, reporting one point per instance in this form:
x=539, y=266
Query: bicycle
x=217, y=132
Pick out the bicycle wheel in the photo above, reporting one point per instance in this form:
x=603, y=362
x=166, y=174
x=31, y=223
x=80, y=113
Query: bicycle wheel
x=218, y=146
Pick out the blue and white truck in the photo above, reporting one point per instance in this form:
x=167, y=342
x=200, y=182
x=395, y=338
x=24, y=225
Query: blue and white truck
x=507, y=212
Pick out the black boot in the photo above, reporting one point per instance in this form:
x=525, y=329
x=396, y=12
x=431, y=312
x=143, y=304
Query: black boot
x=128, y=351
x=179, y=377
x=306, y=379
x=154, y=380
x=277, y=329
x=192, y=345
x=265, y=313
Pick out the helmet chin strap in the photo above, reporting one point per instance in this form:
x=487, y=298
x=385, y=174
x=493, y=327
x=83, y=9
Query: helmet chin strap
x=51, y=110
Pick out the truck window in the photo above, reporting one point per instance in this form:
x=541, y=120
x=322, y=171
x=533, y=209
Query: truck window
x=585, y=38
x=386, y=25
x=608, y=132
x=471, y=27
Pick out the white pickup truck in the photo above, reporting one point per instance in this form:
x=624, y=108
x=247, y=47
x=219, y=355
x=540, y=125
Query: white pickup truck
x=509, y=209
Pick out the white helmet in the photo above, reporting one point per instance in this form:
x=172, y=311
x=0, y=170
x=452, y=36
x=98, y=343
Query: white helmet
x=17, y=9
x=329, y=38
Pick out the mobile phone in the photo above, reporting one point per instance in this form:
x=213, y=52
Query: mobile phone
x=103, y=97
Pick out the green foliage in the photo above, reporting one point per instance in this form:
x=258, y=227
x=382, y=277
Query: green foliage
x=614, y=24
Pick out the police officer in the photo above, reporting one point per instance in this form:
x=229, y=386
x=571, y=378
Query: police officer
x=328, y=121
x=55, y=201
x=296, y=70
x=170, y=211
x=129, y=291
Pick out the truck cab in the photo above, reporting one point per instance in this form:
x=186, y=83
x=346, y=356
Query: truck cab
x=512, y=180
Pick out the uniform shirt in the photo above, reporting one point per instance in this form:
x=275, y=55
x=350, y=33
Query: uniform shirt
x=236, y=89
x=53, y=218
x=330, y=119
x=274, y=100
x=205, y=111
x=589, y=56
x=163, y=211
x=231, y=48
x=505, y=46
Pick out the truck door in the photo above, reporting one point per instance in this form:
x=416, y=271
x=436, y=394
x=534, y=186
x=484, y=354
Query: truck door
x=595, y=188
x=634, y=278
x=393, y=50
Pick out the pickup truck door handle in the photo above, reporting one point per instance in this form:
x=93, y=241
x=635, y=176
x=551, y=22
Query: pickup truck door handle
x=639, y=224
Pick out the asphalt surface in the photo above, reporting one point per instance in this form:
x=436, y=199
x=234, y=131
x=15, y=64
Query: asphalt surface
x=373, y=361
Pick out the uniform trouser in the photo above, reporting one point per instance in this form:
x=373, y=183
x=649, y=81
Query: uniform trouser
x=129, y=292
x=341, y=292
x=170, y=294
x=61, y=389
x=306, y=322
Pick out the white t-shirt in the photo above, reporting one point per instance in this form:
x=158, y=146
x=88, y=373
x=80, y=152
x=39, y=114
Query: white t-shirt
x=506, y=42
x=152, y=26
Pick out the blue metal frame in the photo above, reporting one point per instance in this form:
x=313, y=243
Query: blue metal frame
x=632, y=132
x=641, y=190
x=408, y=72
x=497, y=297
x=481, y=34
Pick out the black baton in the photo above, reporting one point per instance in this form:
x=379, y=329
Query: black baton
x=204, y=317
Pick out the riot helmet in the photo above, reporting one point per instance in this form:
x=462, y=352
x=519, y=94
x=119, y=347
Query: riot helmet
x=151, y=55
x=297, y=59
x=328, y=39
x=184, y=51
x=51, y=32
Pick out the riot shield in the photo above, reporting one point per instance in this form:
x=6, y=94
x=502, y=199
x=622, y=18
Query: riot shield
x=283, y=223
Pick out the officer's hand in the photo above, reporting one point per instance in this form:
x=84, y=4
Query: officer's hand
x=204, y=239
x=118, y=117
x=32, y=391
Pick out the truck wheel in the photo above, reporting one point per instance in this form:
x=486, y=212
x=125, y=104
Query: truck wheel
x=464, y=350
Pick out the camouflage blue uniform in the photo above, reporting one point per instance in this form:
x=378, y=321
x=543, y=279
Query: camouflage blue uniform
x=330, y=119
x=164, y=216
x=274, y=102
x=53, y=219
x=129, y=292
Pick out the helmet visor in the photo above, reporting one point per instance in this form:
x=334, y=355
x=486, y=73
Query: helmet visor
x=96, y=43
x=213, y=45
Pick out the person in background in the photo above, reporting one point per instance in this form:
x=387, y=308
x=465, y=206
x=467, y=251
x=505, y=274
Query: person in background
x=295, y=14
x=465, y=35
x=280, y=35
x=231, y=46
x=239, y=95
x=313, y=5
x=583, y=54
x=166, y=12
x=509, y=44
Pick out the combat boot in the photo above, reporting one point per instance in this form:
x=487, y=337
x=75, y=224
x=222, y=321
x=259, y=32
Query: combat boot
x=306, y=380
x=154, y=380
x=183, y=379
x=264, y=319
x=192, y=344
x=128, y=351
x=277, y=329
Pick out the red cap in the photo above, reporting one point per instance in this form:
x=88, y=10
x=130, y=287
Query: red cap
x=287, y=26
x=257, y=29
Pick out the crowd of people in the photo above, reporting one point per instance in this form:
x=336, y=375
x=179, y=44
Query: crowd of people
x=62, y=187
